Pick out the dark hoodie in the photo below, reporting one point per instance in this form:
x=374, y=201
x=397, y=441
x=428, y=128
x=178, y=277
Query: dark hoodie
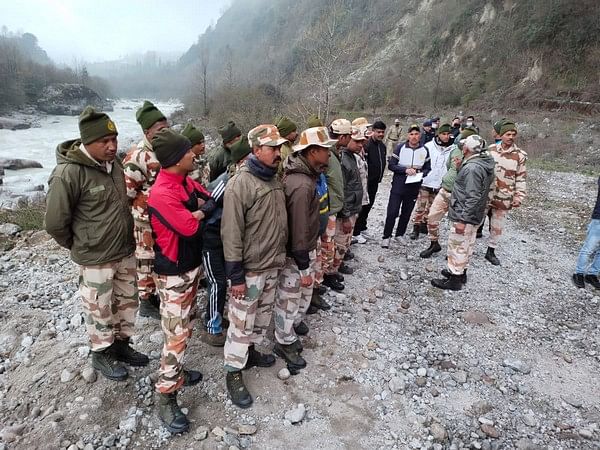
x=471, y=188
x=302, y=204
x=87, y=208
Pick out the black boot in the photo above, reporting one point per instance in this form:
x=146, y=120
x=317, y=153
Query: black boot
x=330, y=280
x=290, y=354
x=237, y=390
x=318, y=302
x=122, y=351
x=423, y=228
x=452, y=283
x=345, y=269
x=258, y=359
x=463, y=277
x=490, y=255
x=298, y=345
x=321, y=290
x=348, y=256
x=434, y=247
x=170, y=414
x=415, y=233
x=339, y=276
x=301, y=329
x=150, y=307
x=105, y=362
x=191, y=377
x=593, y=280
x=480, y=230
x=579, y=280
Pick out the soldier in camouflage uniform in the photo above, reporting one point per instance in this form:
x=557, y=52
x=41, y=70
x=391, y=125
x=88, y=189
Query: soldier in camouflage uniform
x=393, y=137
x=509, y=190
x=254, y=231
x=88, y=213
x=467, y=210
x=176, y=206
x=141, y=168
x=220, y=158
x=288, y=130
x=302, y=170
x=201, y=172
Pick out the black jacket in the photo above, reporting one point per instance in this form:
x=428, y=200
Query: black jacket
x=375, y=152
x=353, y=189
x=596, y=213
x=471, y=188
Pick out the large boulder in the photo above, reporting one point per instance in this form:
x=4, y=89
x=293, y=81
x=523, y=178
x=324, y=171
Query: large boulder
x=18, y=164
x=70, y=99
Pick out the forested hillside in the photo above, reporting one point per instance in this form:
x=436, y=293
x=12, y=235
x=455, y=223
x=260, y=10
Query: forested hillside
x=314, y=55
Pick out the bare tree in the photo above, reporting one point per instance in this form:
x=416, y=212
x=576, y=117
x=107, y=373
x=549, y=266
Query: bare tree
x=204, y=61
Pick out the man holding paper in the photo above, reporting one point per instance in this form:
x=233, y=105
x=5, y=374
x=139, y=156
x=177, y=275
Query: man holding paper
x=410, y=163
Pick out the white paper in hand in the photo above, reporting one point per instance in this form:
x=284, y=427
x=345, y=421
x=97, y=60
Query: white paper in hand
x=416, y=178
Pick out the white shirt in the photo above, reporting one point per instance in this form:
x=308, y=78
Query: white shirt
x=438, y=156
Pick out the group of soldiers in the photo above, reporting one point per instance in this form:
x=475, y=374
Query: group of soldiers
x=264, y=222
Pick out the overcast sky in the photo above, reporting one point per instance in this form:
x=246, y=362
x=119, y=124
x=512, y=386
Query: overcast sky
x=104, y=30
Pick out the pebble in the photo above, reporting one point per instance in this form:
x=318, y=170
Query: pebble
x=517, y=365
x=422, y=372
x=201, y=433
x=336, y=330
x=66, y=375
x=247, y=429
x=585, y=433
x=296, y=415
x=283, y=374
x=460, y=376
x=438, y=432
x=396, y=385
x=475, y=317
x=89, y=375
x=490, y=431
x=218, y=431
x=575, y=403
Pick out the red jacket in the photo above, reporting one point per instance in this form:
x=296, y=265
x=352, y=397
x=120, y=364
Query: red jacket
x=177, y=233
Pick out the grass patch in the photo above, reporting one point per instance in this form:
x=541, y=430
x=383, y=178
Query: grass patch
x=30, y=217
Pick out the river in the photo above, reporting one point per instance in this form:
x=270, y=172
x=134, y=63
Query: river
x=39, y=144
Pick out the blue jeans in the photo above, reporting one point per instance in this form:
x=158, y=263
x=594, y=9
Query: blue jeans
x=588, y=262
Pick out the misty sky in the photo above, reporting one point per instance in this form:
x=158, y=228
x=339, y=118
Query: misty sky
x=94, y=30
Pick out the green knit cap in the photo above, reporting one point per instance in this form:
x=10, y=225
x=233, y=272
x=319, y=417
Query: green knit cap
x=240, y=149
x=193, y=134
x=498, y=124
x=148, y=115
x=443, y=128
x=95, y=125
x=507, y=126
x=169, y=147
x=314, y=121
x=229, y=132
x=465, y=133
x=285, y=126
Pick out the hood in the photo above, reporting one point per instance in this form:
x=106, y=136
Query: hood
x=484, y=160
x=296, y=163
x=69, y=152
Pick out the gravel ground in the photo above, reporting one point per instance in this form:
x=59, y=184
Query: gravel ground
x=512, y=361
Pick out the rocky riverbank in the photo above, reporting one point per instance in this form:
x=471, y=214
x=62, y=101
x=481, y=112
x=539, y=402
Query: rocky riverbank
x=512, y=361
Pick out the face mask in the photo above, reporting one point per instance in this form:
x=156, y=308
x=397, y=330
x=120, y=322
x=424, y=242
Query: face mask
x=434, y=125
x=469, y=123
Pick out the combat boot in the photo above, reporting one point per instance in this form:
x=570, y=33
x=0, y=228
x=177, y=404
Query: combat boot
x=290, y=354
x=214, y=340
x=258, y=359
x=330, y=280
x=191, y=377
x=339, y=276
x=170, y=414
x=463, y=277
x=593, y=280
x=452, y=283
x=318, y=302
x=108, y=366
x=301, y=329
x=579, y=280
x=298, y=345
x=415, y=232
x=150, y=308
x=122, y=351
x=434, y=247
x=423, y=228
x=320, y=290
x=348, y=256
x=490, y=255
x=345, y=269
x=237, y=389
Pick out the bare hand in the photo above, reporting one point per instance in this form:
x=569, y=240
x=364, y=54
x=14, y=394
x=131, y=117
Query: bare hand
x=201, y=202
x=238, y=291
x=306, y=281
x=199, y=215
x=459, y=227
x=411, y=172
x=516, y=202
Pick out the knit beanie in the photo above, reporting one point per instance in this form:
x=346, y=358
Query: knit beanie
x=193, y=134
x=506, y=127
x=240, y=150
x=95, y=125
x=314, y=121
x=285, y=126
x=148, y=115
x=498, y=124
x=465, y=133
x=444, y=128
x=169, y=147
x=229, y=132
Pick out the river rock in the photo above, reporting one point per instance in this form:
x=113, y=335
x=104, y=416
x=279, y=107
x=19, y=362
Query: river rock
x=9, y=229
x=8, y=341
x=438, y=432
x=517, y=365
x=19, y=164
x=297, y=414
x=66, y=375
x=475, y=317
x=283, y=374
x=13, y=124
x=70, y=99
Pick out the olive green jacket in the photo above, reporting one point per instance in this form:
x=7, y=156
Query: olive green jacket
x=88, y=209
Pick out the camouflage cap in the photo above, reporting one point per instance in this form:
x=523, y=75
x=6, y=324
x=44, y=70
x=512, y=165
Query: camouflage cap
x=359, y=133
x=473, y=143
x=341, y=126
x=361, y=121
x=265, y=135
x=314, y=136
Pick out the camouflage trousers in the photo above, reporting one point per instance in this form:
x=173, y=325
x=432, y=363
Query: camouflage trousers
x=177, y=315
x=438, y=209
x=328, y=246
x=423, y=205
x=109, y=301
x=460, y=247
x=144, y=254
x=292, y=300
x=497, y=222
x=318, y=275
x=342, y=239
x=249, y=317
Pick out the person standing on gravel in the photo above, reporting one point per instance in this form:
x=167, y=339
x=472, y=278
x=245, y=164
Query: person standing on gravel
x=392, y=138
x=88, y=213
x=219, y=158
x=254, y=231
x=141, y=168
x=467, y=210
x=176, y=206
x=510, y=188
x=588, y=262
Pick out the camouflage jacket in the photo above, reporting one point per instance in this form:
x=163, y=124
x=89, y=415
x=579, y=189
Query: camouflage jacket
x=201, y=173
x=141, y=168
x=511, y=174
